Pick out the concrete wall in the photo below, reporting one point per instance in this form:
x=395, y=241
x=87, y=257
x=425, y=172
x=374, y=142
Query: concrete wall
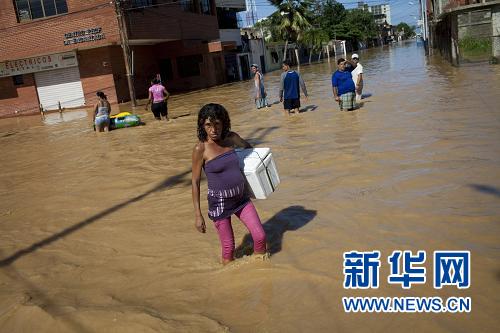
x=256, y=51
x=274, y=56
x=495, y=19
x=479, y=22
x=475, y=23
x=230, y=35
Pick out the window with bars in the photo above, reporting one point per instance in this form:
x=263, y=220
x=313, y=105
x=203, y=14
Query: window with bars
x=28, y=10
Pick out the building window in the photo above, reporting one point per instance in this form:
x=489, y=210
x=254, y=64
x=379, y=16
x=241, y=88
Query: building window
x=18, y=80
x=189, y=65
x=205, y=7
x=34, y=9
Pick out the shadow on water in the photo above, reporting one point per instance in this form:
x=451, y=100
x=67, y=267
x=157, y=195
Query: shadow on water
x=308, y=108
x=257, y=136
x=288, y=219
x=486, y=189
x=168, y=182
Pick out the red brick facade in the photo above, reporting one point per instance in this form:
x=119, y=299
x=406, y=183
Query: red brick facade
x=19, y=99
x=46, y=36
x=157, y=35
x=96, y=74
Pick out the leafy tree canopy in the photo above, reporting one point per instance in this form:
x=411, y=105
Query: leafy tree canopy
x=317, y=20
x=406, y=29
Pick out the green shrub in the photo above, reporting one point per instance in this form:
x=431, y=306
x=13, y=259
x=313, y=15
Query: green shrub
x=471, y=46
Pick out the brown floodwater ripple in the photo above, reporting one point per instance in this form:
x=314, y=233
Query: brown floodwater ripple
x=97, y=231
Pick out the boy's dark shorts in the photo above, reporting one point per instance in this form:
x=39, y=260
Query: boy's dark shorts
x=292, y=103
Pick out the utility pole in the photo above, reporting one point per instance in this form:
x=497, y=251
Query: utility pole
x=425, y=33
x=122, y=27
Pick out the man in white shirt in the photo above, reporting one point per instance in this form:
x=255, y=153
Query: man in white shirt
x=357, y=76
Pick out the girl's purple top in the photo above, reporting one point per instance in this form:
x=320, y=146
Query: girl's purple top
x=226, y=186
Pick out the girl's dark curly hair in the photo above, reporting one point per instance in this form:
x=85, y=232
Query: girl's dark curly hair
x=213, y=112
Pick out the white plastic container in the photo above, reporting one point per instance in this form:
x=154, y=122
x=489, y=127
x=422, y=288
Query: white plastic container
x=260, y=171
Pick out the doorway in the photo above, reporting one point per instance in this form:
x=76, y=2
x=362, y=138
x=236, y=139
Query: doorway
x=245, y=67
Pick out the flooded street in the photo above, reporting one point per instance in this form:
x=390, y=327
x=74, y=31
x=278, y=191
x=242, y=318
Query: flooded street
x=97, y=231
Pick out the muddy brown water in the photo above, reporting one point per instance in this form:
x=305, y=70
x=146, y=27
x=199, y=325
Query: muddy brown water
x=97, y=235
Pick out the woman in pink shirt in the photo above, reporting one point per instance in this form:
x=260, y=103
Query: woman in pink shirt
x=158, y=97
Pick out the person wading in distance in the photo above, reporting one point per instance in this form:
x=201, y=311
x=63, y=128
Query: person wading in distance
x=290, y=84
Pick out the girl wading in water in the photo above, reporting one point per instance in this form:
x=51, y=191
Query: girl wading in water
x=215, y=154
x=158, y=96
x=102, y=110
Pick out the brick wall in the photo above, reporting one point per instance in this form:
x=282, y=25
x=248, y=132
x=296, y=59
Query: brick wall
x=96, y=74
x=21, y=99
x=46, y=36
x=101, y=62
x=8, y=14
x=495, y=22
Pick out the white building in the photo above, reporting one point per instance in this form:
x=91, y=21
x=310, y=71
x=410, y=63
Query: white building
x=381, y=13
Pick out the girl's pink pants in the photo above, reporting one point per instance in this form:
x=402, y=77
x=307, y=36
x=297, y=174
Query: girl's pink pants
x=248, y=215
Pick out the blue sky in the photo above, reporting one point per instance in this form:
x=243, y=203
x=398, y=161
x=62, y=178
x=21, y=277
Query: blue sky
x=401, y=10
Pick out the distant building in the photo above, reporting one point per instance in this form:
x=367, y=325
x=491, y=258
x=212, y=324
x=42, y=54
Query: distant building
x=235, y=45
x=381, y=13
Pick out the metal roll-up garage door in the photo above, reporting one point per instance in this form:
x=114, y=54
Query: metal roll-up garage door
x=60, y=85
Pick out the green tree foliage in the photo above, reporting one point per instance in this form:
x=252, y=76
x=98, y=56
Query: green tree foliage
x=295, y=20
x=292, y=18
x=339, y=23
x=357, y=25
x=269, y=29
x=331, y=15
x=406, y=29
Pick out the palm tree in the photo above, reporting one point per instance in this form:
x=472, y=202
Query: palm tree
x=291, y=19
